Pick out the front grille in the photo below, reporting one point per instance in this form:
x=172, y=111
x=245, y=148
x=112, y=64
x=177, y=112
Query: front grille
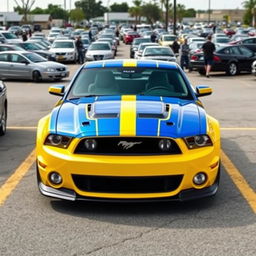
x=60, y=69
x=127, y=146
x=98, y=57
x=110, y=184
x=60, y=53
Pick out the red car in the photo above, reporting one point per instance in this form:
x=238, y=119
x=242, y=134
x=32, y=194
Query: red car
x=129, y=36
x=229, y=31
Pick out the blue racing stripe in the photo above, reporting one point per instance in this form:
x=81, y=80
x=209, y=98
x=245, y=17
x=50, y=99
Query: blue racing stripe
x=113, y=64
x=167, y=65
x=94, y=64
x=53, y=120
x=146, y=64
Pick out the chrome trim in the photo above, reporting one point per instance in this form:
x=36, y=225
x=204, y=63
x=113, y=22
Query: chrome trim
x=57, y=193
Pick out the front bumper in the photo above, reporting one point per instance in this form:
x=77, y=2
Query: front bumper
x=54, y=75
x=68, y=164
x=65, y=58
x=185, y=195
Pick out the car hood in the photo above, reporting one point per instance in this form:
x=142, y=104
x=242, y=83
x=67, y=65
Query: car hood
x=13, y=41
x=50, y=64
x=98, y=52
x=57, y=50
x=113, y=116
x=160, y=57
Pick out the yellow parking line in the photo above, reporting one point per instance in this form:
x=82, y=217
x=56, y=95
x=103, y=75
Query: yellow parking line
x=240, y=182
x=21, y=128
x=238, y=128
x=16, y=177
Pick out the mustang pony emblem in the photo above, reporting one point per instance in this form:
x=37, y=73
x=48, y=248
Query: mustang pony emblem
x=127, y=145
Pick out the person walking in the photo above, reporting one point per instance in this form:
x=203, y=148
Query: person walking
x=80, y=50
x=176, y=47
x=208, y=49
x=24, y=36
x=153, y=37
x=184, y=52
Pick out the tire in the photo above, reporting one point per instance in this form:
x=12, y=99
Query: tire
x=232, y=69
x=37, y=76
x=201, y=72
x=3, y=122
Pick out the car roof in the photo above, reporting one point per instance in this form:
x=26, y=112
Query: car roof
x=20, y=52
x=131, y=63
x=64, y=40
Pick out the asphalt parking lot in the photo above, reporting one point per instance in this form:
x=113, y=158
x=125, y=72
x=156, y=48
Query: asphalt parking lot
x=225, y=225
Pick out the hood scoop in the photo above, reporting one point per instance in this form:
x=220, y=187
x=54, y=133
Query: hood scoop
x=112, y=109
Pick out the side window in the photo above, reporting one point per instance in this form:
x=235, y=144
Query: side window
x=17, y=58
x=246, y=52
x=235, y=51
x=248, y=41
x=4, y=57
x=226, y=51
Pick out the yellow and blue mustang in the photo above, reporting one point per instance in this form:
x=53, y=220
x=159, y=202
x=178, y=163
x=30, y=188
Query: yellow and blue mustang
x=128, y=130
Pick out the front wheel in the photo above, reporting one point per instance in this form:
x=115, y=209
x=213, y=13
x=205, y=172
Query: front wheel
x=37, y=76
x=3, y=122
x=232, y=69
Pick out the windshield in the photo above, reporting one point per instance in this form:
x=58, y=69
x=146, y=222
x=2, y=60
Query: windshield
x=158, y=51
x=222, y=40
x=9, y=36
x=142, y=47
x=97, y=47
x=63, y=45
x=169, y=38
x=34, y=57
x=30, y=47
x=130, y=81
x=51, y=35
x=85, y=41
x=141, y=40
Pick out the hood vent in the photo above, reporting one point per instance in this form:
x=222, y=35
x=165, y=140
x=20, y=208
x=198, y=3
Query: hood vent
x=112, y=109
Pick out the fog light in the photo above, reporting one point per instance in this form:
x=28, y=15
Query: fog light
x=165, y=144
x=200, y=178
x=55, y=178
x=90, y=144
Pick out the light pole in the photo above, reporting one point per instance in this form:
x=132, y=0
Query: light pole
x=209, y=12
x=166, y=14
x=174, y=17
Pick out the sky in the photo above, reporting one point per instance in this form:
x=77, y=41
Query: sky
x=196, y=4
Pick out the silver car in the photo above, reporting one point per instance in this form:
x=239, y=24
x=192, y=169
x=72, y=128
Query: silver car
x=28, y=65
x=99, y=51
x=164, y=53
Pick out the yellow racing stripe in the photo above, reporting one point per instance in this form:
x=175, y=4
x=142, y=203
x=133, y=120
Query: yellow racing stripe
x=128, y=116
x=130, y=63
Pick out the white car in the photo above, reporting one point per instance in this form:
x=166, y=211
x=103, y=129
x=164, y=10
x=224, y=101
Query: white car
x=65, y=50
x=9, y=38
x=52, y=36
x=195, y=39
x=163, y=53
x=99, y=51
x=141, y=48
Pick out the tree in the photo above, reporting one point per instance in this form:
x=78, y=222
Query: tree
x=136, y=10
x=24, y=6
x=180, y=11
x=57, y=12
x=91, y=8
x=249, y=16
x=123, y=7
x=152, y=12
x=190, y=13
x=76, y=15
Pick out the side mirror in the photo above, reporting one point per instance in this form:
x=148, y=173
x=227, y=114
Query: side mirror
x=57, y=90
x=203, y=90
x=25, y=62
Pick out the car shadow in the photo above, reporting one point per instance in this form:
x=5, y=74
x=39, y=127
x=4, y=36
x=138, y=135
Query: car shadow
x=227, y=209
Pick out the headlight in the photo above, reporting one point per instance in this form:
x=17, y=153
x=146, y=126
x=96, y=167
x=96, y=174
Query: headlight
x=50, y=69
x=198, y=141
x=70, y=53
x=88, y=56
x=57, y=141
x=109, y=55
